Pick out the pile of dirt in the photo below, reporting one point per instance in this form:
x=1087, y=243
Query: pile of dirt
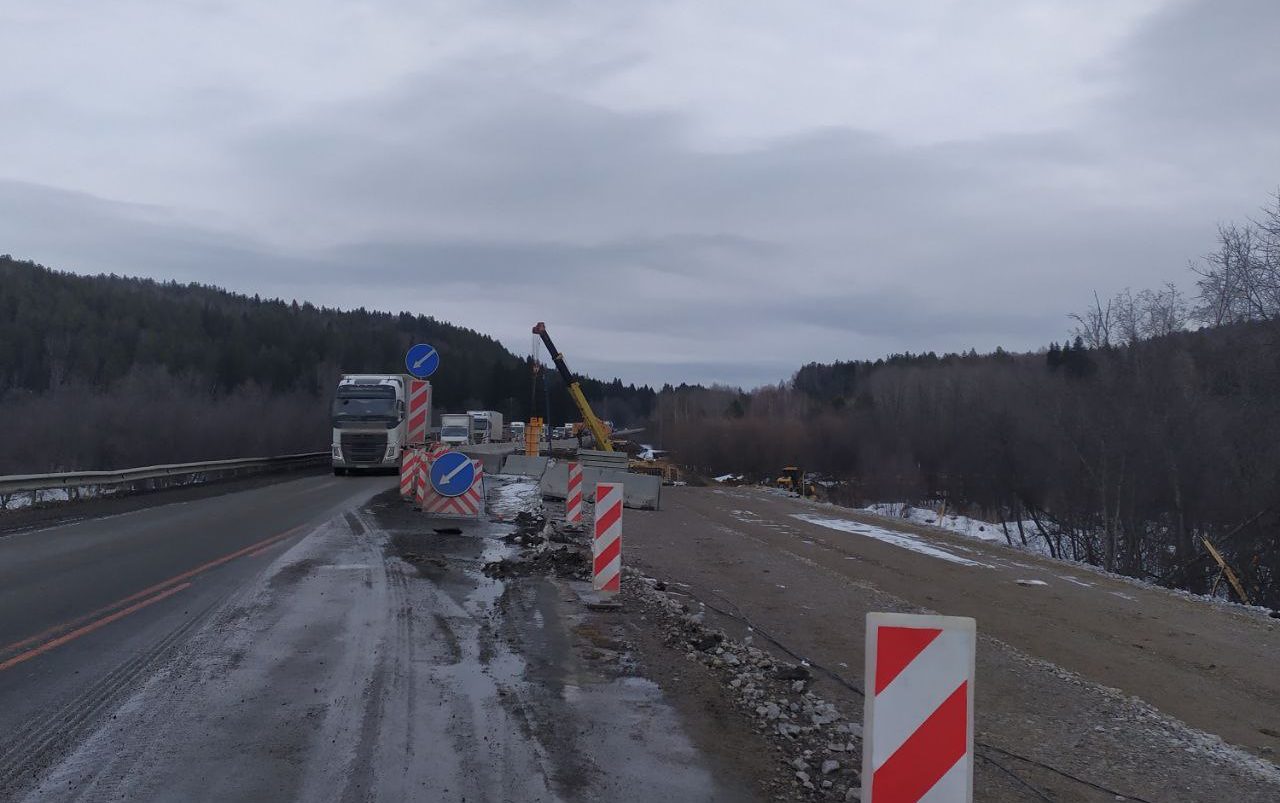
x=552, y=550
x=530, y=527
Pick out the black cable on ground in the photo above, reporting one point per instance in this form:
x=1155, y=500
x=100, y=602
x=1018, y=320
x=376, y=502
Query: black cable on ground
x=1015, y=776
x=839, y=679
x=1065, y=774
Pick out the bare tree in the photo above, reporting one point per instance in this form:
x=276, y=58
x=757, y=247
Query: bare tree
x=1164, y=311
x=1095, y=324
x=1236, y=282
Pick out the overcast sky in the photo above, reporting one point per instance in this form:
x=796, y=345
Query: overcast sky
x=697, y=191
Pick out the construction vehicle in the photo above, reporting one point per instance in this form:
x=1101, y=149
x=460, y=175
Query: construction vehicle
x=669, y=473
x=793, y=480
x=580, y=432
x=594, y=424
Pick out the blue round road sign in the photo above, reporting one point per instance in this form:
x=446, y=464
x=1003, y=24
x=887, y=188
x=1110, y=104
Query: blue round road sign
x=452, y=474
x=422, y=360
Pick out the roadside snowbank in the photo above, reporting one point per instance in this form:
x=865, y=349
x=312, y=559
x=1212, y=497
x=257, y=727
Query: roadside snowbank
x=963, y=525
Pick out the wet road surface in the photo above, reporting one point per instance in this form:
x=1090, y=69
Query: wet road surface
x=285, y=651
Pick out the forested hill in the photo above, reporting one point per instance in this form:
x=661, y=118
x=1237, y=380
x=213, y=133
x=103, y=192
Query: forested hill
x=124, y=353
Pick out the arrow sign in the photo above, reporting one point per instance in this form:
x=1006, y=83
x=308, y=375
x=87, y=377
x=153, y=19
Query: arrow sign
x=422, y=360
x=452, y=474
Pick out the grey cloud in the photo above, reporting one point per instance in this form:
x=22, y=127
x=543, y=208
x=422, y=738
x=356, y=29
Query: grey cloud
x=479, y=194
x=931, y=321
x=1207, y=65
x=522, y=263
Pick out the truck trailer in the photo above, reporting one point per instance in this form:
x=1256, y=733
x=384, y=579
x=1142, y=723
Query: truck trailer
x=457, y=429
x=369, y=422
x=488, y=425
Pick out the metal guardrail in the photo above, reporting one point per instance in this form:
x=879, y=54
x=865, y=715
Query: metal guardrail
x=20, y=483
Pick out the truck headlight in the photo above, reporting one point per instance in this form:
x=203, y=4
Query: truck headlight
x=393, y=451
x=337, y=451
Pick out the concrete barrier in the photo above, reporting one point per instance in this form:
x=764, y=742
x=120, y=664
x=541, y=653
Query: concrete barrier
x=490, y=455
x=640, y=491
x=526, y=465
x=594, y=458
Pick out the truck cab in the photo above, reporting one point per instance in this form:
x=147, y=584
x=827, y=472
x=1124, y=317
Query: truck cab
x=487, y=425
x=456, y=429
x=369, y=422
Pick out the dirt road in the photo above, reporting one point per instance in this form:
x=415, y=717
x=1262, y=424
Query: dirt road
x=1137, y=690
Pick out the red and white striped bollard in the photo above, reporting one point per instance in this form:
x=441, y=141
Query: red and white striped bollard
x=918, y=714
x=573, y=498
x=424, y=479
x=408, y=472
x=606, y=546
x=419, y=411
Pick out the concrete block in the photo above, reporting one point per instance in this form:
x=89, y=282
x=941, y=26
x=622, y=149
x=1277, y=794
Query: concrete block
x=600, y=459
x=525, y=465
x=490, y=455
x=639, y=491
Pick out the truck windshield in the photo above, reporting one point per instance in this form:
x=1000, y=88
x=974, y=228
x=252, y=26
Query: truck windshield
x=365, y=404
x=453, y=432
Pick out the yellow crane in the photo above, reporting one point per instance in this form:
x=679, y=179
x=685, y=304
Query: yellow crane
x=594, y=424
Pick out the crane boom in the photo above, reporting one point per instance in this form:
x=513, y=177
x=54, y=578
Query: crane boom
x=575, y=390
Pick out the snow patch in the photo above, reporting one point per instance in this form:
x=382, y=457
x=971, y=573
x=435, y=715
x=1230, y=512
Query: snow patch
x=1075, y=580
x=897, y=539
x=966, y=526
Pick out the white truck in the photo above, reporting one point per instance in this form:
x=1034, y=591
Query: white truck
x=517, y=432
x=369, y=421
x=488, y=425
x=457, y=429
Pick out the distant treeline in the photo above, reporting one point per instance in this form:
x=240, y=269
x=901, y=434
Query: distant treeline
x=1128, y=445
x=110, y=371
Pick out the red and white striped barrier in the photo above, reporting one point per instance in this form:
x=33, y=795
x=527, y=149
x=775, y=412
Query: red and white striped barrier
x=435, y=450
x=419, y=411
x=606, y=547
x=408, y=472
x=573, y=499
x=424, y=479
x=918, y=716
x=468, y=503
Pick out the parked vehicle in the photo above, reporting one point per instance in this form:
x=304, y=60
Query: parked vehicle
x=370, y=427
x=487, y=427
x=457, y=429
x=517, y=431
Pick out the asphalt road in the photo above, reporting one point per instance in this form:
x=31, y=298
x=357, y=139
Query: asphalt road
x=318, y=639
x=1136, y=688
x=88, y=609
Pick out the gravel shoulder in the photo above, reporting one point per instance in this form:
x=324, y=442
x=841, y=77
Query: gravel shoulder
x=1139, y=691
